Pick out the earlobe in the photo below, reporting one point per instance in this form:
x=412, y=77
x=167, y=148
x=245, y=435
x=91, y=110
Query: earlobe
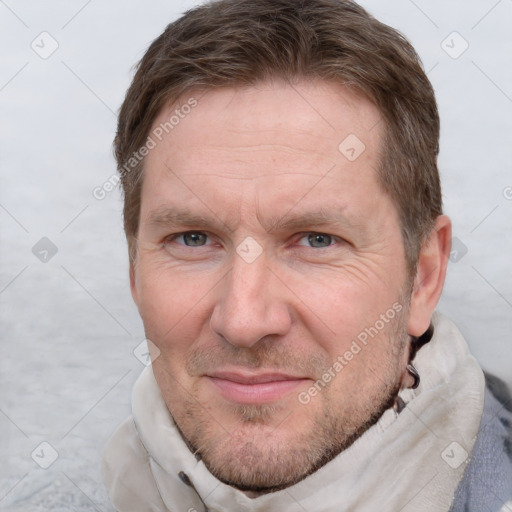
x=430, y=276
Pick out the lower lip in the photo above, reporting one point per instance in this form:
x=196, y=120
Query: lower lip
x=255, y=393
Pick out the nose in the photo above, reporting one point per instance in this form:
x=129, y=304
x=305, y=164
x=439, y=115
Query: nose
x=252, y=304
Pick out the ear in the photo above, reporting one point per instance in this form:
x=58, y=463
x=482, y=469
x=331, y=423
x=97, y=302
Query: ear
x=430, y=275
x=133, y=283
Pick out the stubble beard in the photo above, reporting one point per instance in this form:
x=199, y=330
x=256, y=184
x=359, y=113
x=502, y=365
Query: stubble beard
x=257, y=457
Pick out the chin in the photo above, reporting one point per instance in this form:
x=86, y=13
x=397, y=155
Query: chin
x=266, y=448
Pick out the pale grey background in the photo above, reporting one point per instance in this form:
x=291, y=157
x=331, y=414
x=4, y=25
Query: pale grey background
x=69, y=327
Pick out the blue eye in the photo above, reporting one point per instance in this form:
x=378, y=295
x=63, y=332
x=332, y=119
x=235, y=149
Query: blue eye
x=319, y=240
x=193, y=238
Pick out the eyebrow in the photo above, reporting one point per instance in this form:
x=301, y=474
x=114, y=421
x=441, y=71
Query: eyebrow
x=166, y=217
x=311, y=219
x=184, y=218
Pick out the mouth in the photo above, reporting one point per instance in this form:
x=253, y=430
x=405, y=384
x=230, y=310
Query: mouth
x=254, y=388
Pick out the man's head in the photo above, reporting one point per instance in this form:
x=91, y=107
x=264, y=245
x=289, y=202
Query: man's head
x=283, y=214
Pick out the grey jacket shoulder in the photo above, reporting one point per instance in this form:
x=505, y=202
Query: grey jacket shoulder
x=487, y=481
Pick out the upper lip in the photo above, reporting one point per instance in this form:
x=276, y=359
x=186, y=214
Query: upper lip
x=253, y=378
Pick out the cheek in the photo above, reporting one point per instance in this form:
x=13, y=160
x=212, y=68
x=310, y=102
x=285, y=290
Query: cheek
x=342, y=305
x=172, y=306
x=358, y=329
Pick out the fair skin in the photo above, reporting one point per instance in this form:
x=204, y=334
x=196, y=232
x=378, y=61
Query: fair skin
x=241, y=337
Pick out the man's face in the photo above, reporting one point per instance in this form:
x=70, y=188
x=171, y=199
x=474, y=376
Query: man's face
x=271, y=276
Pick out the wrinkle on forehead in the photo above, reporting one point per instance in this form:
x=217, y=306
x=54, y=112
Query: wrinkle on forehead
x=254, y=162
x=262, y=147
x=237, y=177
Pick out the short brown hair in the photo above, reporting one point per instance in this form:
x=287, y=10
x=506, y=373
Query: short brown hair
x=230, y=43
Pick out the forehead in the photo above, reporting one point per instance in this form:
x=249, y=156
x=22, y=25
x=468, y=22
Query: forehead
x=308, y=117
x=271, y=138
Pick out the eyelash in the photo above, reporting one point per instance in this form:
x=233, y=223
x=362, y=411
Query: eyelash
x=333, y=239
x=173, y=238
